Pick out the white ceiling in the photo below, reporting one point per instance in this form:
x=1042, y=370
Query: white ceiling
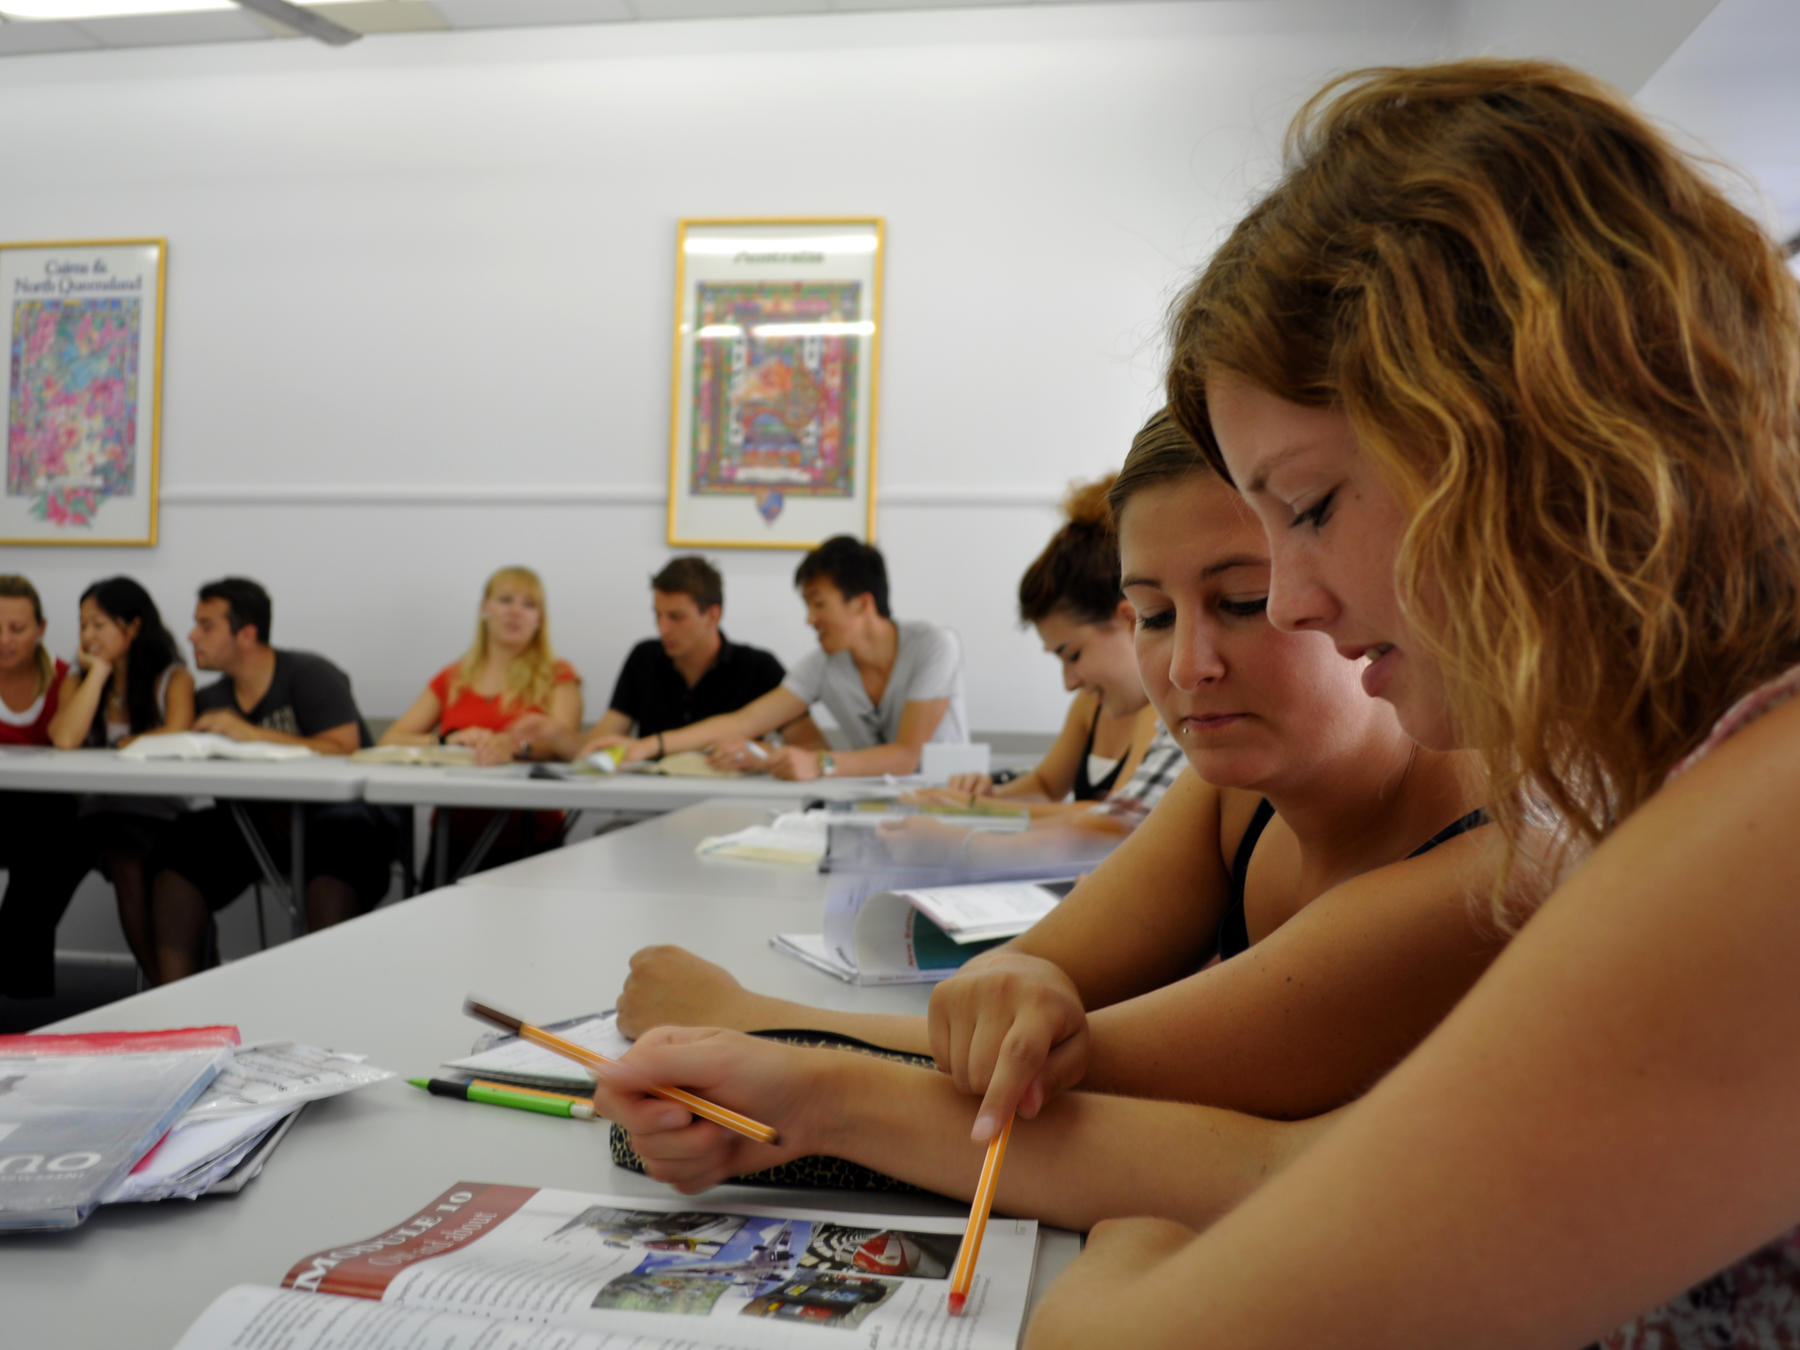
x=1732, y=82
x=21, y=37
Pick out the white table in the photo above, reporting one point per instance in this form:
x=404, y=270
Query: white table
x=511, y=787
x=662, y=848
x=300, y=782
x=391, y=984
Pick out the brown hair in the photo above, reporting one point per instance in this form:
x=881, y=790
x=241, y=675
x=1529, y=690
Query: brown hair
x=1578, y=367
x=1078, y=571
x=693, y=577
x=14, y=587
x=1162, y=452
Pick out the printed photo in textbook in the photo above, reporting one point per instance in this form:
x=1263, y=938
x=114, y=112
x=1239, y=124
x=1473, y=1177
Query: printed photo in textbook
x=488, y=1265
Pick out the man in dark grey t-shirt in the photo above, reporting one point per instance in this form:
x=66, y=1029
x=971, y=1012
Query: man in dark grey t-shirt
x=288, y=697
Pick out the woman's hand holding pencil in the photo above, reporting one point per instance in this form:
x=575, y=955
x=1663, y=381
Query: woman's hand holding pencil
x=604, y=1068
x=773, y=1083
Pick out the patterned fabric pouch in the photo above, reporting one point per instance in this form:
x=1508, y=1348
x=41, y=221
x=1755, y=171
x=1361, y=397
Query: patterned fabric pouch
x=816, y=1171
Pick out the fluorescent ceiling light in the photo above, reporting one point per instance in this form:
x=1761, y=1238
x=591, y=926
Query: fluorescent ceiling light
x=104, y=9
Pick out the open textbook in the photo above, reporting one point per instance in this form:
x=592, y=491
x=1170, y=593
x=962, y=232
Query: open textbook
x=485, y=1266
x=453, y=756
x=917, y=934
x=208, y=745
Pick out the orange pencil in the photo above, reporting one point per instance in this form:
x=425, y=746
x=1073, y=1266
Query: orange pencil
x=962, y=1275
x=593, y=1059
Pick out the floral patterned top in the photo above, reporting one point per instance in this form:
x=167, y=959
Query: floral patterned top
x=1756, y=1302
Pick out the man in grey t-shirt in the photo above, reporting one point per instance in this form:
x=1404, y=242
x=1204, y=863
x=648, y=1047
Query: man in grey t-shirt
x=892, y=687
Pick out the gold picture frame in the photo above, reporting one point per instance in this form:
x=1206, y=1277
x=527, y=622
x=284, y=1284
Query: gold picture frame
x=82, y=391
x=775, y=383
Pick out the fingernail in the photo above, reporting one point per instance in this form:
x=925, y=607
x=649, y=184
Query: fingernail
x=986, y=1127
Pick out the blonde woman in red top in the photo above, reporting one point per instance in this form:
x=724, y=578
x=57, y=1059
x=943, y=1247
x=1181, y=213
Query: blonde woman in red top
x=510, y=670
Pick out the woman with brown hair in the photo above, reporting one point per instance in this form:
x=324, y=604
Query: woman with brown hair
x=1070, y=595
x=1327, y=860
x=1515, y=392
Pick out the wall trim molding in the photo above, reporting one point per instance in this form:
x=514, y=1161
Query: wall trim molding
x=934, y=496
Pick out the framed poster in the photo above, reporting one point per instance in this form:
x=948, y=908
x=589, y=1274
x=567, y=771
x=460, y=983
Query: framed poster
x=83, y=391
x=777, y=344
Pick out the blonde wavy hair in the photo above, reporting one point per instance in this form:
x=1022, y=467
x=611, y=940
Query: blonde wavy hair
x=531, y=675
x=1578, y=367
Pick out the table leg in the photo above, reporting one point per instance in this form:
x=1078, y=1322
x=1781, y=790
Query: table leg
x=440, y=847
x=483, y=842
x=265, y=861
x=297, y=870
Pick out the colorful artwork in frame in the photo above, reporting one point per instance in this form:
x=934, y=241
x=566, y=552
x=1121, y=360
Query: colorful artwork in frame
x=82, y=391
x=777, y=330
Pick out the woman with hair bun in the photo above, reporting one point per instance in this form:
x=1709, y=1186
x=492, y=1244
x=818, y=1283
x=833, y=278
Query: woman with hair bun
x=1070, y=595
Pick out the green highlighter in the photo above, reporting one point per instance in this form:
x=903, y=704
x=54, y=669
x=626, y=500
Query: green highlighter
x=548, y=1104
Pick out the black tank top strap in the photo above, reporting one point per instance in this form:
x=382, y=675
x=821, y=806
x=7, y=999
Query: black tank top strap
x=1461, y=825
x=1234, y=929
x=1085, y=789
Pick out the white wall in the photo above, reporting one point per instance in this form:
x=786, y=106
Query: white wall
x=420, y=292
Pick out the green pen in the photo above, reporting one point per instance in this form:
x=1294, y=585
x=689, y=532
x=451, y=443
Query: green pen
x=543, y=1103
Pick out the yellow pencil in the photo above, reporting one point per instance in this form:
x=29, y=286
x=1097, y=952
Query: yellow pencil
x=719, y=1115
x=962, y=1275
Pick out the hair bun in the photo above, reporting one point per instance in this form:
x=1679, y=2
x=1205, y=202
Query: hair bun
x=1085, y=504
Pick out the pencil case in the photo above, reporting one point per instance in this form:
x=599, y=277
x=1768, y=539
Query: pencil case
x=816, y=1171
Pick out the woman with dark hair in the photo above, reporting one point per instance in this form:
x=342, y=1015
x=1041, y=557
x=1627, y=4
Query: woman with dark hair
x=129, y=677
x=1070, y=595
x=129, y=681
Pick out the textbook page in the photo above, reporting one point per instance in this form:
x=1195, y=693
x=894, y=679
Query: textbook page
x=675, y=1272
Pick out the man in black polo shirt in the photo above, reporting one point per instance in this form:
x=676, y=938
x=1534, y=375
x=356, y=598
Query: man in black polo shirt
x=689, y=671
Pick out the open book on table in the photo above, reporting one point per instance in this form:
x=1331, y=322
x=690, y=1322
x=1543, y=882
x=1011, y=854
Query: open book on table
x=458, y=756
x=486, y=1265
x=916, y=934
x=208, y=745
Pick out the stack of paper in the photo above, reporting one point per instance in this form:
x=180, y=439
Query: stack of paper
x=221, y=1141
x=509, y=1059
x=78, y=1112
